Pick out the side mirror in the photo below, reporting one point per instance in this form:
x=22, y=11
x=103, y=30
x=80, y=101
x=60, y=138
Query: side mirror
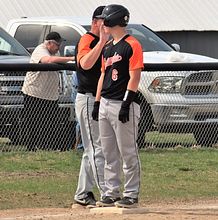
x=176, y=47
x=69, y=51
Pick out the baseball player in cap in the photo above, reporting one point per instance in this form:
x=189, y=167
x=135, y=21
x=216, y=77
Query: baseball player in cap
x=88, y=62
x=119, y=110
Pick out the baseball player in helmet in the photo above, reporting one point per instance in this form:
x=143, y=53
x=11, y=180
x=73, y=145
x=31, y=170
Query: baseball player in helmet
x=119, y=109
x=88, y=62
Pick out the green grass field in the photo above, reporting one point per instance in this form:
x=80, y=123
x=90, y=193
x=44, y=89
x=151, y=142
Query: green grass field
x=49, y=179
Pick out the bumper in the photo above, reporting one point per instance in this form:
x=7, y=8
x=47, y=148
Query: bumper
x=186, y=118
x=11, y=115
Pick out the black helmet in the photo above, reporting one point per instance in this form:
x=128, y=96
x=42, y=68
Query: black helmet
x=115, y=15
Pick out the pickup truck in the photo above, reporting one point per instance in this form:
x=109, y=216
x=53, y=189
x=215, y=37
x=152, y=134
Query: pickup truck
x=11, y=100
x=171, y=101
x=11, y=97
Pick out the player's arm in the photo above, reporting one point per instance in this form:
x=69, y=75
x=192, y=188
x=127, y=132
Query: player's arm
x=136, y=65
x=89, y=59
x=134, y=80
x=95, y=111
x=99, y=88
x=98, y=93
x=100, y=81
x=56, y=59
x=129, y=95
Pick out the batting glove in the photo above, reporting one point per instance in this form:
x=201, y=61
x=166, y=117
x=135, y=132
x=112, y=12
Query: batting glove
x=124, y=113
x=95, y=110
x=124, y=110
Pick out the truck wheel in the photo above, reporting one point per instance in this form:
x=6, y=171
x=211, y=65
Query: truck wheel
x=206, y=137
x=14, y=134
x=62, y=138
x=14, y=140
x=65, y=137
x=146, y=121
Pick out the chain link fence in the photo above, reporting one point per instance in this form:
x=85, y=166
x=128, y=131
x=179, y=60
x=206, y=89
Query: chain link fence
x=179, y=106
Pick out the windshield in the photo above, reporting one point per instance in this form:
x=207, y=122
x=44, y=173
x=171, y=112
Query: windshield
x=148, y=39
x=10, y=46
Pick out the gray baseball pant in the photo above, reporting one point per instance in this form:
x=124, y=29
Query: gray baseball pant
x=120, y=148
x=92, y=164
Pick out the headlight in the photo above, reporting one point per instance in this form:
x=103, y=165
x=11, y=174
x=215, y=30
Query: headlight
x=166, y=84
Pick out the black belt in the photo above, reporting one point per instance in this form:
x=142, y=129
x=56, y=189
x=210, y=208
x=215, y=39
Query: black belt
x=83, y=92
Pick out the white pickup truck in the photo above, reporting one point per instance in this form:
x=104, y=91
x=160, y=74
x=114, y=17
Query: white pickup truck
x=172, y=101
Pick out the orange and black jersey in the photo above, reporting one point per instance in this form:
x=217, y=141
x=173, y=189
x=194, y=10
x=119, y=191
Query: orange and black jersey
x=126, y=55
x=87, y=79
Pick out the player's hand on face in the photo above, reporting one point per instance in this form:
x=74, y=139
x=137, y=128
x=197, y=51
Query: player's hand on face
x=103, y=35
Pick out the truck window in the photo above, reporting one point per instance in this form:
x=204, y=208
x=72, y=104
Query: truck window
x=10, y=46
x=30, y=35
x=70, y=34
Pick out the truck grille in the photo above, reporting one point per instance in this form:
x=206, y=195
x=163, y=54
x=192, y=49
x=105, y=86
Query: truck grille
x=200, y=77
x=198, y=90
x=201, y=83
x=11, y=83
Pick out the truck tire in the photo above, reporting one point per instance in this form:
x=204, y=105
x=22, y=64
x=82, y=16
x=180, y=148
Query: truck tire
x=14, y=134
x=206, y=137
x=146, y=121
x=65, y=136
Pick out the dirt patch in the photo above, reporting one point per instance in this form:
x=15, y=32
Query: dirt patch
x=203, y=210
x=30, y=174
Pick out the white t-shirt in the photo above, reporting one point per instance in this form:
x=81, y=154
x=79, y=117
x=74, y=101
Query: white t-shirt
x=41, y=84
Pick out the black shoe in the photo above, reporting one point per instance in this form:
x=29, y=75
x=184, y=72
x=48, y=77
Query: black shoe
x=88, y=201
x=107, y=201
x=127, y=202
